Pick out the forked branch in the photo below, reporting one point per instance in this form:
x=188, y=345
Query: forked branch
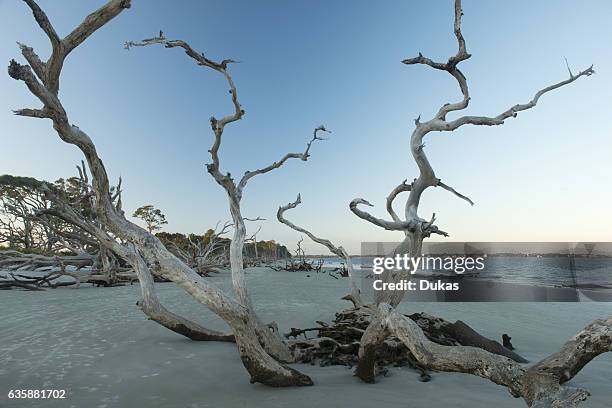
x=388, y=225
x=218, y=125
x=49, y=72
x=513, y=111
x=302, y=156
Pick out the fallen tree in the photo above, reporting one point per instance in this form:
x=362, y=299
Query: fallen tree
x=39, y=241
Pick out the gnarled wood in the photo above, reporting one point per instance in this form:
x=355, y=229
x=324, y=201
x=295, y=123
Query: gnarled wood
x=539, y=385
x=271, y=342
x=339, y=251
x=415, y=227
x=262, y=367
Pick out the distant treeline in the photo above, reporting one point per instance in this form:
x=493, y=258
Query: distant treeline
x=189, y=242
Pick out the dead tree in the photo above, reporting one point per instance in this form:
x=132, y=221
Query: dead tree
x=260, y=348
x=540, y=385
x=204, y=253
x=299, y=251
x=354, y=296
x=414, y=227
x=234, y=191
x=297, y=263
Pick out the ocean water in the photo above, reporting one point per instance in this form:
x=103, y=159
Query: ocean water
x=559, y=271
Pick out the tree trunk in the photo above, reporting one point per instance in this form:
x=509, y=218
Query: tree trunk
x=412, y=246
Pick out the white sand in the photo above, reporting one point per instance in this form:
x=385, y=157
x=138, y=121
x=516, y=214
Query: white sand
x=97, y=345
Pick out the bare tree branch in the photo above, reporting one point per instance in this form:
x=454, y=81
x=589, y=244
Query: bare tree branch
x=594, y=339
x=510, y=113
x=44, y=23
x=217, y=125
x=337, y=250
x=32, y=113
x=455, y=192
x=39, y=67
x=92, y=23
x=62, y=47
x=152, y=307
x=302, y=156
x=388, y=225
x=403, y=186
x=450, y=66
x=253, y=237
x=253, y=219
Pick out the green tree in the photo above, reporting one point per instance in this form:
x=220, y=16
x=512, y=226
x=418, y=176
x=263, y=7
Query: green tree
x=152, y=216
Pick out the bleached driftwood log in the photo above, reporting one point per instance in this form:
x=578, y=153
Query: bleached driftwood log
x=355, y=295
x=18, y=261
x=42, y=79
x=153, y=308
x=540, y=385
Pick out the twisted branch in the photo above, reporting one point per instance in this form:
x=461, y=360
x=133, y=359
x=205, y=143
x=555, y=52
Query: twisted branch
x=539, y=385
x=302, y=156
x=337, y=250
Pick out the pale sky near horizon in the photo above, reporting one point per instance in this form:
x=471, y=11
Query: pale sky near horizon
x=544, y=176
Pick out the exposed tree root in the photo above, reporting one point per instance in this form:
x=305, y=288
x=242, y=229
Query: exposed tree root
x=338, y=342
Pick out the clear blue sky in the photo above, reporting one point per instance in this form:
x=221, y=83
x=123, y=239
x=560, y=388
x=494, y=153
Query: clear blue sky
x=544, y=176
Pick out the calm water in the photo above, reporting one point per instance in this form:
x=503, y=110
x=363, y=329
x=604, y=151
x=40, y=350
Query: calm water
x=543, y=271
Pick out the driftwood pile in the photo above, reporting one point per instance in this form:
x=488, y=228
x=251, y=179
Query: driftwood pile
x=300, y=265
x=337, y=343
x=37, y=271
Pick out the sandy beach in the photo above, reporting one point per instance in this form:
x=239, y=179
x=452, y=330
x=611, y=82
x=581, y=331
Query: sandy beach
x=97, y=345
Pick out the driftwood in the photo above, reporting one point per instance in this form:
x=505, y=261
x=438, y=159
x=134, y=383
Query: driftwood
x=8, y=283
x=540, y=385
x=336, y=250
x=19, y=261
x=339, y=342
x=206, y=254
x=152, y=307
x=54, y=267
x=300, y=265
x=51, y=279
